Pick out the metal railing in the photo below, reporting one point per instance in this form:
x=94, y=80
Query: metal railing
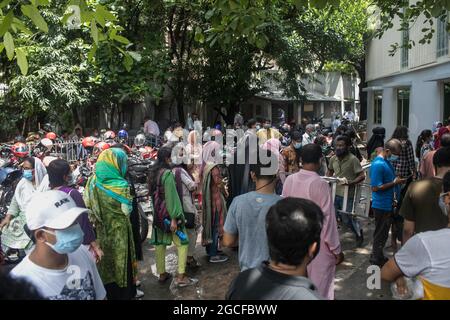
x=361, y=195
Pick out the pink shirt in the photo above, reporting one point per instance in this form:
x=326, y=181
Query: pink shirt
x=309, y=185
x=151, y=127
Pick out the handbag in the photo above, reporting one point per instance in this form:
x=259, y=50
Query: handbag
x=189, y=217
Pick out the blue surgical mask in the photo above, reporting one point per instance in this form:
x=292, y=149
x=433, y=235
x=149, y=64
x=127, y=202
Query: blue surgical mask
x=28, y=174
x=67, y=240
x=393, y=158
x=297, y=145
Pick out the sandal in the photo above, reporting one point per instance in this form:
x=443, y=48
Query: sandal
x=192, y=263
x=185, y=283
x=166, y=277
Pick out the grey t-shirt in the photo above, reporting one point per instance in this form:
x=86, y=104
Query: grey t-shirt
x=263, y=283
x=246, y=217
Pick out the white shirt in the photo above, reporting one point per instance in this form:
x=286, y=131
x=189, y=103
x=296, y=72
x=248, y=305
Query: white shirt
x=427, y=254
x=80, y=280
x=307, y=139
x=151, y=127
x=350, y=115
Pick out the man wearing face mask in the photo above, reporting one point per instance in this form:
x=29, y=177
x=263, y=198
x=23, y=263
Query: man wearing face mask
x=267, y=132
x=383, y=183
x=247, y=216
x=347, y=168
x=308, y=136
x=291, y=154
x=59, y=266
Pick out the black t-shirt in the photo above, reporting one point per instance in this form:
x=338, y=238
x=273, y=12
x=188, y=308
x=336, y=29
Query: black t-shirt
x=263, y=283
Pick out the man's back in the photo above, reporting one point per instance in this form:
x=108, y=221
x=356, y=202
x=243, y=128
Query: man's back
x=426, y=255
x=246, y=217
x=263, y=283
x=421, y=205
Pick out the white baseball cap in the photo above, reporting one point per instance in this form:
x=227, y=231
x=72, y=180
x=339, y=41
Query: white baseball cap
x=52, y=209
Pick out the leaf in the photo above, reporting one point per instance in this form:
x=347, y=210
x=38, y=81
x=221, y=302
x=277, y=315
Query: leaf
x=100, y=19
x=8, y=41
x=22, y=60
x=6, y=23
x=128, y=62
x=92, y=52
x=4, y=3
x=135, y=55
x=118, y=38
x=103, y=12
x=21, y=26
x=261, y=42
x=33, y=13
x=94, y=31
x=42, y=3
x=2, y=47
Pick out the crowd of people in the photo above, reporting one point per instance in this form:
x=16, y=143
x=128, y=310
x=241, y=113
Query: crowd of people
x=279, y=214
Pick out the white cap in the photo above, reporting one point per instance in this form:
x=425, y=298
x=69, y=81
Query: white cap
x=53, y=209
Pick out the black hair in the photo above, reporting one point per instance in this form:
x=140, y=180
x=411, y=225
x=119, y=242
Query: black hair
x=446, y=182
x=297, y=136
x=424, y=135
x=350, y=133
x=258, y=167
x=164, y=153
x=346, y=139
x=341, y=129
x=57, y=170
x=30, y=160
x=445, y=140
x=17, y=289
x=311, y=153
x=292, y=226
x=251, y=123
x=442, y=157
x=400, y=133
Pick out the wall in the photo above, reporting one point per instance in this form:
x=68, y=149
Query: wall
x=426, y=100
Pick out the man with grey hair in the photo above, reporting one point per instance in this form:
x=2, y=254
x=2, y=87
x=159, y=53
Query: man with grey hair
x=308, y=136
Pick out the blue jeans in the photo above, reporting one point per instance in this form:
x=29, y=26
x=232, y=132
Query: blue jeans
x=347, y=219
x=211, y=249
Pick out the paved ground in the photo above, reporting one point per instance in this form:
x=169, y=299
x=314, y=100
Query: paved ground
x=214, y=279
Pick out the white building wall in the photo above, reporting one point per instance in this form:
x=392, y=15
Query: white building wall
x=424, y=76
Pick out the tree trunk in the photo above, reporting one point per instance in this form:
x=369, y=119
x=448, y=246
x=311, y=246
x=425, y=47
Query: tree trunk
x=180, y=108
x=361, y=69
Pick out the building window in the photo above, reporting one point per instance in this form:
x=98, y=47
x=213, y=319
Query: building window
x=405, y=50
x=442, y=38
x=403, y=107
x=377, y=106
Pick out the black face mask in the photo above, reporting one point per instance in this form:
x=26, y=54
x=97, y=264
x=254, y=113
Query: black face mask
x=341, y=152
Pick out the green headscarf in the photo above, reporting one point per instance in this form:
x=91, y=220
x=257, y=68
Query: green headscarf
x=110, y=170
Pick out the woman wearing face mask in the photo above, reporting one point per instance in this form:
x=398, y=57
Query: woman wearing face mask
x=274, y=146
x=107, y=194
x=60, y=177
x=14, y=235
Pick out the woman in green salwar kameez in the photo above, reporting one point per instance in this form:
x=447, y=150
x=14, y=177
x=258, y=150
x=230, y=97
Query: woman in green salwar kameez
x=163, y=175
x=107, y=194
